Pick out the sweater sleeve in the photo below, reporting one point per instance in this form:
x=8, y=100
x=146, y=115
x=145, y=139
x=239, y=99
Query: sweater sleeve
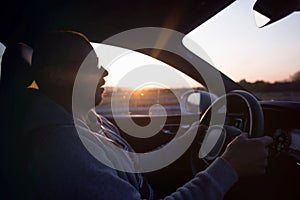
x=210, y=184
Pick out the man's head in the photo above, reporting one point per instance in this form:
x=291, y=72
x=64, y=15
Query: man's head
x=56, y=60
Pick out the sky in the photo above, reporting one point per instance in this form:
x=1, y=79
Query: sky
x=234, y=45
x=237, y=47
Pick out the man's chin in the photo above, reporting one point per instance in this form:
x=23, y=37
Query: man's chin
x=99, y=98
x=98, y=103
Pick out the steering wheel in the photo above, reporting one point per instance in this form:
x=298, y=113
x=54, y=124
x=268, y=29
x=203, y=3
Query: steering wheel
x=227, y=117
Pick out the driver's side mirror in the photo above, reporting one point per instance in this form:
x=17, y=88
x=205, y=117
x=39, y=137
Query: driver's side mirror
x=196, y=101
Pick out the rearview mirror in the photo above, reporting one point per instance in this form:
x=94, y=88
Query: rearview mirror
x=196, y=101
x=273, y=10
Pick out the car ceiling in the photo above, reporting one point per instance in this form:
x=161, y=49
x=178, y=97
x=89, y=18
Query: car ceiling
x=23, y=20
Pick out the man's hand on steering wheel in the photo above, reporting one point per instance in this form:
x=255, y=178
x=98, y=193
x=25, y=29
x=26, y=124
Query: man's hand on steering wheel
x=248, y=156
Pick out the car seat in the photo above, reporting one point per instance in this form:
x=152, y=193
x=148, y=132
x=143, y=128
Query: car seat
x=15, y=78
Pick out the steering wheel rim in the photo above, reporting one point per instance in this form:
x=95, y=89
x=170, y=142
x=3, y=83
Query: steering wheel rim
x=256, y=128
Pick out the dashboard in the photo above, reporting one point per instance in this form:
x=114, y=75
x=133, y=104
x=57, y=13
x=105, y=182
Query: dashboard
x=281, y=181
x=287, y=141
x=282, y=123
x=295, y=139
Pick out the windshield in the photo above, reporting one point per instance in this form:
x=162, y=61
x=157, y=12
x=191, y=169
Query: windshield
x=264, y=60
x=141, y=82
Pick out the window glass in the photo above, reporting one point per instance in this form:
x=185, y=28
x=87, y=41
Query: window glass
x=263, y=60
x=141, y=81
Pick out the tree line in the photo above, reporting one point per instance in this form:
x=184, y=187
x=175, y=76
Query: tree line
x=292, y=84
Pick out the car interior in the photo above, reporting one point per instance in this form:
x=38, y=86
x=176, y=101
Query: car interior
x=23, y=21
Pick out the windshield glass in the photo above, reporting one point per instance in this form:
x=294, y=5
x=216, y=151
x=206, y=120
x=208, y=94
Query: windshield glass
x=264, y=60
x=141, y=82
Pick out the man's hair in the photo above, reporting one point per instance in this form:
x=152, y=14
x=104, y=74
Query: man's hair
x=65, y=50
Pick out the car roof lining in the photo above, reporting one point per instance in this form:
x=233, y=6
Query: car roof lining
x=28, y=19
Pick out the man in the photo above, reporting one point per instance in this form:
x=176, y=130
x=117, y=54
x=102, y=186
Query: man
x=62, y=167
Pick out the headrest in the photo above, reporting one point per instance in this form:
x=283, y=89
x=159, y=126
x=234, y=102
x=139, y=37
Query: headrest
x=15, y=66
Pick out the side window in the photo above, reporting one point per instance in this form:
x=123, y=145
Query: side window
x=2, y=48
x=141, y=85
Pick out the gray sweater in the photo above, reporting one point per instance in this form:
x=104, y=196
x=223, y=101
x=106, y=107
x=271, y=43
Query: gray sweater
x=62, y=168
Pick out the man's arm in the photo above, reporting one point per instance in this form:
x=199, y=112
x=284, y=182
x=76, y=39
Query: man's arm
x=242, y=157
x=210, y=184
